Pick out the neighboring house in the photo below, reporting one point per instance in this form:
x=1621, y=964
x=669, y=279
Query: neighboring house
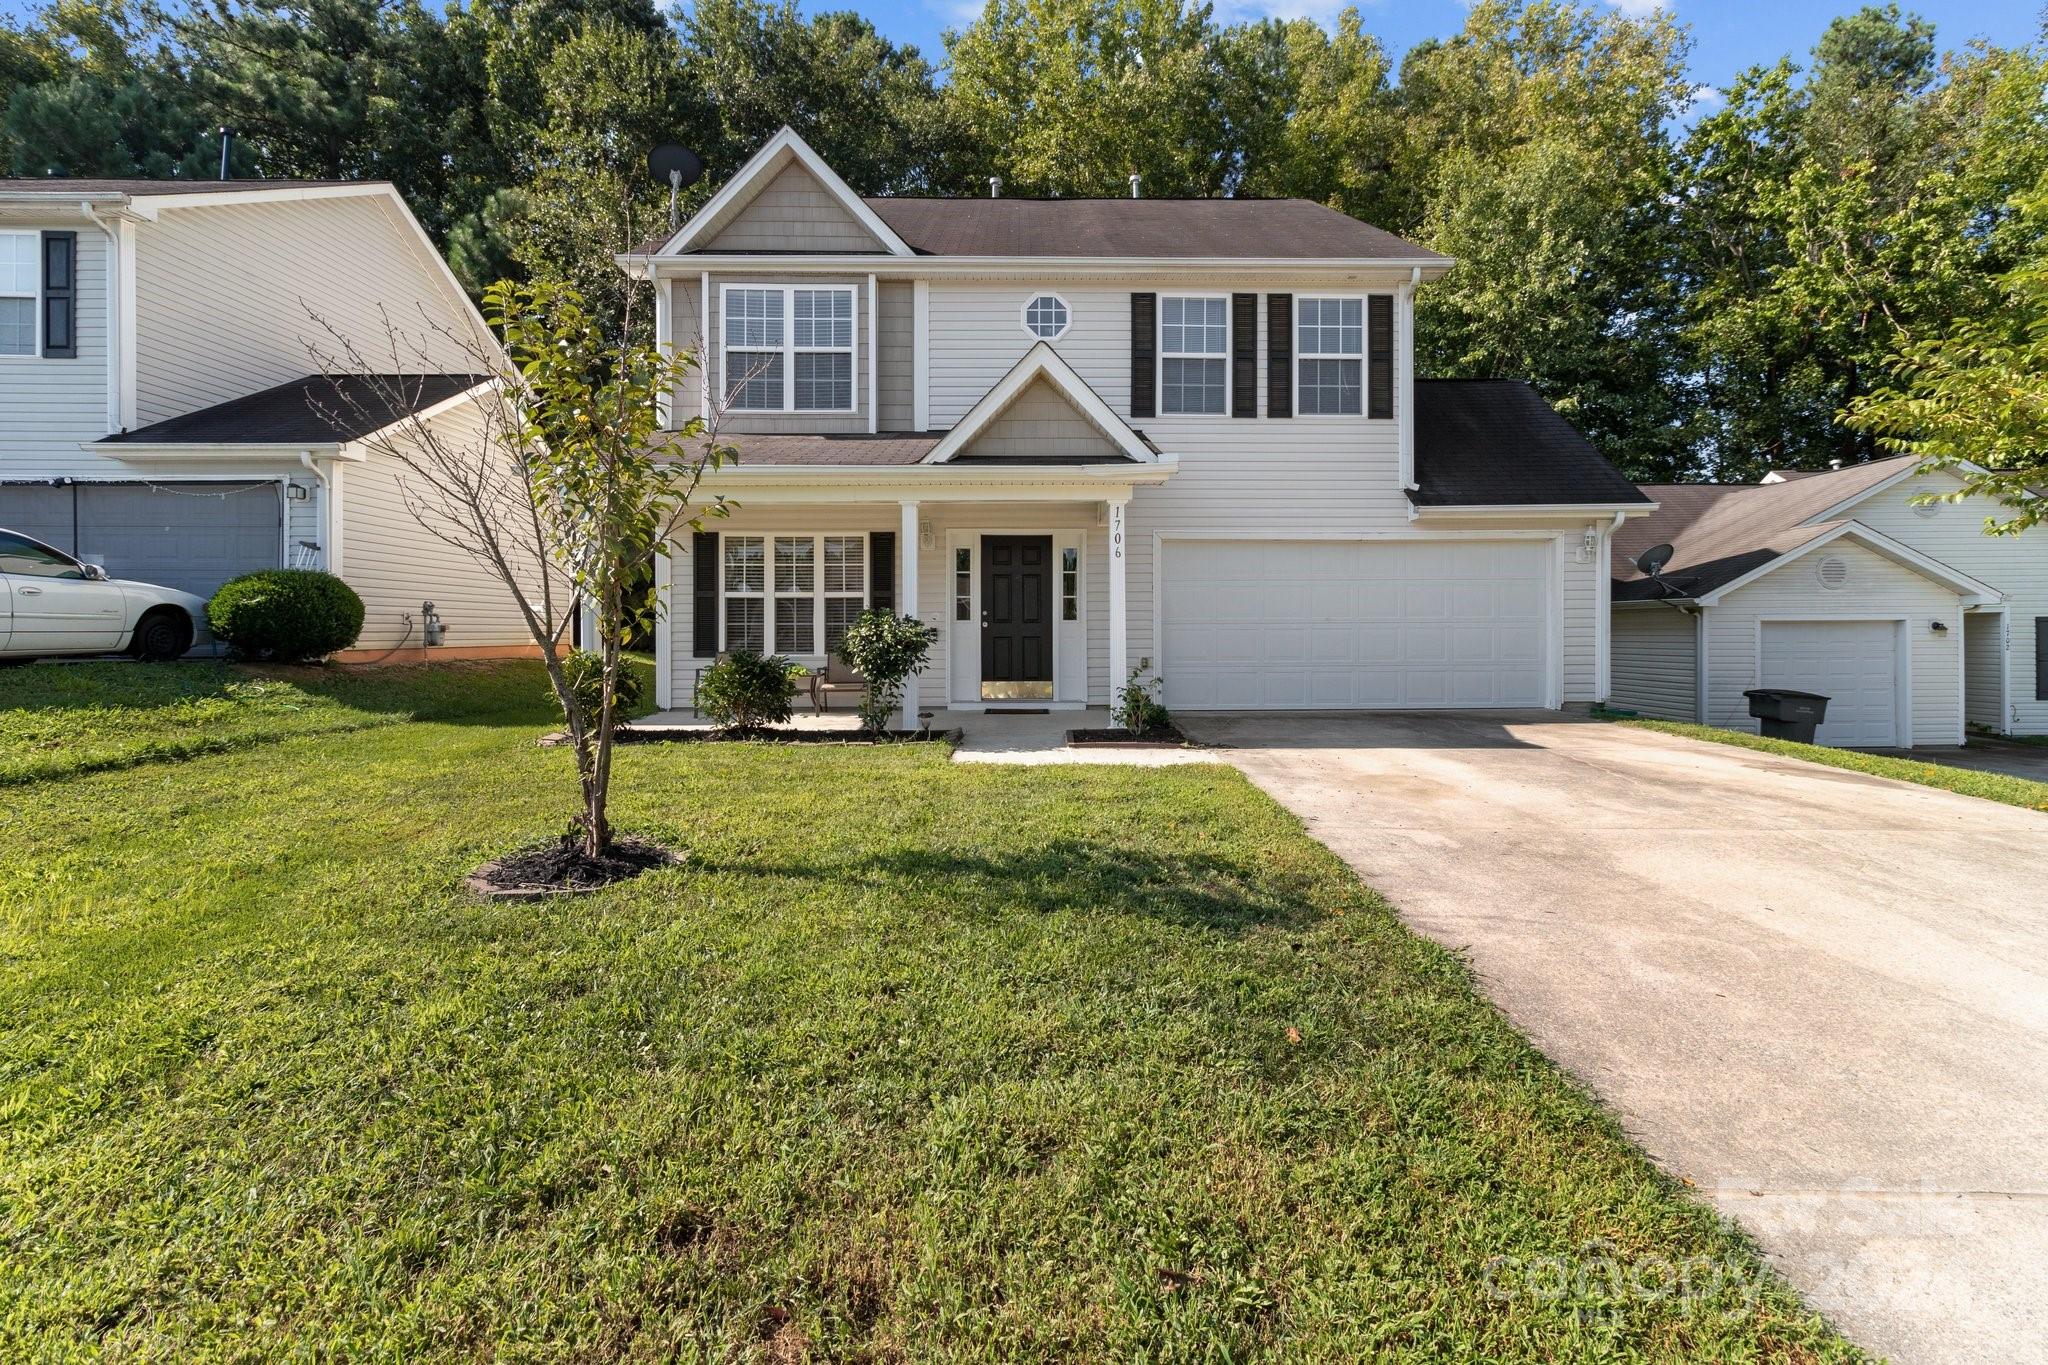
x=1078, y=434
x=163, y=411
x=1913, y=621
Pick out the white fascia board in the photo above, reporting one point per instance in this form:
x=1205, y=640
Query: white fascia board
x=952, y=483
x=1846, y=505
x=1507, y=512
x=1897, y=551
x=1398, y=270
x=774, y=154
x=195, y=451
x=1041, y=362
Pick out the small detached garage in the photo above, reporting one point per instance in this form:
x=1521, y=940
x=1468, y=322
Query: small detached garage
x=1755, y=594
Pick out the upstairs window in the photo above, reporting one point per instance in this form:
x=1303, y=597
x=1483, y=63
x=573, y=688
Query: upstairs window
x=788, y=350
x=21, y=270
x=1046, y=316
x=1329, y=356
x=1194, y=343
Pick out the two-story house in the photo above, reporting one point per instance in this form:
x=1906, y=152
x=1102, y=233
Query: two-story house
x=1075, y=434
x=162, y=411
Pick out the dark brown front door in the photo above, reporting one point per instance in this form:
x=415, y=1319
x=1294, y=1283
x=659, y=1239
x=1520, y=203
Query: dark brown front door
x=1016, y=618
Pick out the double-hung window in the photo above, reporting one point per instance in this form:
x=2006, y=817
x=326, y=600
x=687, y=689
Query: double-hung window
x=783, y=594
x=1329, y=356
x=21, y=273
x=788, y=350
x=1194, y=343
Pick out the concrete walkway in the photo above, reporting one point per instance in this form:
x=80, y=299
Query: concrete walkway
x=1820, y=997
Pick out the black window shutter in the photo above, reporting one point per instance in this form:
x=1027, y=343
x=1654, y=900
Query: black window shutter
x=1379, y=355
x=1279, y=355
x=1144, y=354
x=704, y=594
x=60, y=295
x=882, y=570
x=1244, y=355
x=2041, y=658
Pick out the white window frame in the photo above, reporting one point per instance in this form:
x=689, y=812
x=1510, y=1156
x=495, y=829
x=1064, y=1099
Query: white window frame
x=1160, y=356
x=789, y=349
x=819, y=593
x=777, y=596
x=1024, y=314
x=1363, y=357
x=35, y=296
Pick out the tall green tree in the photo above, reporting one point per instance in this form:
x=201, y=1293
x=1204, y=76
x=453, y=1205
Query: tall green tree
x=84, y=90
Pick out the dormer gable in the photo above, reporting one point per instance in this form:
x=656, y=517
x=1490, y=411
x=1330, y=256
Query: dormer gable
x=1042, y=412
x=786, y=199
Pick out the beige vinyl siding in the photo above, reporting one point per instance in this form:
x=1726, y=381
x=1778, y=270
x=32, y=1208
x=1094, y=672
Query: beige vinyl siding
x=1656, y=662
x=47, y=407
x=394, y=563
x=687, y=320
x=1984, y=636
x=793, y=212
x=2016, y=565
x=895, y=403
x=1041, y=424
x=1877, y=588
x=226, y=297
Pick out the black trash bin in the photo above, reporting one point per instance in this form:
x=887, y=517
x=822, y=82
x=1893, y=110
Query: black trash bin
x=1784, y=713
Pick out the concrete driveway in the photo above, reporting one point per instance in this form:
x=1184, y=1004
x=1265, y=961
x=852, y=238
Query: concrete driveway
x=1820, y=997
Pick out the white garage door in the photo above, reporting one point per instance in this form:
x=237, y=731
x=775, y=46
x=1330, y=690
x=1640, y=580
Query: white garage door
x=1854, y=664
x=1347, y=624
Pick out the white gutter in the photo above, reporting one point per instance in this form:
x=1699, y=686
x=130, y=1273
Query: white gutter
x=637, y=264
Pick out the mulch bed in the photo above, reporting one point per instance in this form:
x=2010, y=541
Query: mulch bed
x=559, y=868
x=1158, y=737
x=666, y=735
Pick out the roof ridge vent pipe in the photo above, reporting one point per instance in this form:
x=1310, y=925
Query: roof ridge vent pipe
x=995, y=187
x=1835, y=463
x=1134, y=184
x=227, y=144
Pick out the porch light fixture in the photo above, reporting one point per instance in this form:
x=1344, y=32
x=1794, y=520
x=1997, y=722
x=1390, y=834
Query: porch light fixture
x=1941, y=627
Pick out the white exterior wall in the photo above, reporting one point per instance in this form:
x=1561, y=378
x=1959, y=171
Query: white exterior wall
x=394, y=563
x=2016, y=565
x=1656, y=662
x=223, y=296
x=47, y=407
x=1877, y=589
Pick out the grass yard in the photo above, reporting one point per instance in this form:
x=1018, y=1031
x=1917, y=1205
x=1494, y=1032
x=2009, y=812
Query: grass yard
x=911, y=1061
x=2001, y=787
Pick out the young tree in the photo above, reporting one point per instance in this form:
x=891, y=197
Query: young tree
x=1975, y=400
x=561, y=482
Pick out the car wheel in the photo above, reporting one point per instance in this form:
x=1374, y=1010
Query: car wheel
x=163, y=634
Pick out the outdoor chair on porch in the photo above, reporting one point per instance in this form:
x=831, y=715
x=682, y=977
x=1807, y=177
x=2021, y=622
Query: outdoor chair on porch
x=836, y=678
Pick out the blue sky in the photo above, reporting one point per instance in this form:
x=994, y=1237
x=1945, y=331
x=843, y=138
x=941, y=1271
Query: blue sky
x=1728, y=35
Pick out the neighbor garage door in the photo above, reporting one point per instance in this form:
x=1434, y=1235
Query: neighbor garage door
x=188, y=535
x=1348, y=624
x=1854, y=664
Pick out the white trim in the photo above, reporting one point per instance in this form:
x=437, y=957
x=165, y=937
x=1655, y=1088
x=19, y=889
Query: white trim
x=335, y=506
x=130, y=373
x=969, y=538
x=35, y=294
x=1119, y=596
x=921, y=354
x=1961, y=633
x=1397, y=269
x=1509, y=511
x=1404, y=379
x=906, y=600
x=707, y=349
x=874, y=357
x=1603, y=619
x=1553, y=597
x=1363, y=356
x=1909, y=467
x=774, y=155
x=664, y=341
x=1042, y=361
x=1024, y=314
x=227, y=450
x=1903, y=735
x=1897, y=551
x=789, y=350
x=664, y=662
x=1159, y=356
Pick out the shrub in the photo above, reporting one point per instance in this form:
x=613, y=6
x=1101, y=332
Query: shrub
x=885, y=649
x=585, y=670
x=1138, y=708
x=286, y=614
x=744, y=691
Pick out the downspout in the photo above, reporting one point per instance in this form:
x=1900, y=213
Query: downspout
x=1405, y=378
x=113, y=328
x=319, y=511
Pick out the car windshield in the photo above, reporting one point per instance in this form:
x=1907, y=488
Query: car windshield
x=32, y=559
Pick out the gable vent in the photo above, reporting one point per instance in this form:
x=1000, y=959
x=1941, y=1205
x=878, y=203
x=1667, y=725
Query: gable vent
x=1924, y=509
x=1833, y=573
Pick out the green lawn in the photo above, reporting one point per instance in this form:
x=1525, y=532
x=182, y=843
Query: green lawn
x=911, y=1061
x=2012, y=791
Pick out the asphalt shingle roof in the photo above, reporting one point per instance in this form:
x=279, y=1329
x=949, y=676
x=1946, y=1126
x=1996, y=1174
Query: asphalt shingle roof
x=1163, y=228
x=62, y=186
x=315, y=410
x=1496, y=443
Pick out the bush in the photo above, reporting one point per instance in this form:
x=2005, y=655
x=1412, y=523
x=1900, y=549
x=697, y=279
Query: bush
x=286, y=614
x=885, y=649
x=1138, y=708
x=585, y=670
x=744, y=691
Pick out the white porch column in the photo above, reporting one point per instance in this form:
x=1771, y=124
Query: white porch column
x=1119, y=557
x=906, y=598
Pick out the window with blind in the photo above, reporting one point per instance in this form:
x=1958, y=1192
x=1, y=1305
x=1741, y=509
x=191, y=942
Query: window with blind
x=788, y=350
x=794, y=593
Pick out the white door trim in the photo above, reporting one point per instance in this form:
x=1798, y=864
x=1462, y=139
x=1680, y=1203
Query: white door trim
x=970, y=536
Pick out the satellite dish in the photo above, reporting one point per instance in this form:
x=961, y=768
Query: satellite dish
x=1651, y=562
x=674, y=166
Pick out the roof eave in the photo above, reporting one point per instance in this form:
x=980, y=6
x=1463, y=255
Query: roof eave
x=639, y=263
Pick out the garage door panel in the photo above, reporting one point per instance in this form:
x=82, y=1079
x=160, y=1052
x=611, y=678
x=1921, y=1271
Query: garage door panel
x=1387, y=624
x=192, y=536
x=1855, y=664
